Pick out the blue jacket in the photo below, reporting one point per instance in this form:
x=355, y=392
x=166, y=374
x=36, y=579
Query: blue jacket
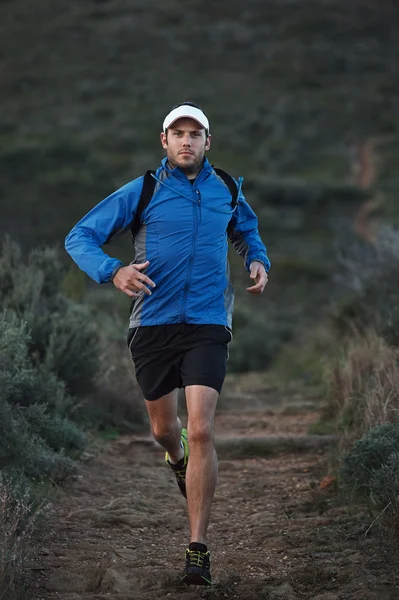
x=183, y=235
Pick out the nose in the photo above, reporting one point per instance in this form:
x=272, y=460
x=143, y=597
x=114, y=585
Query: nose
x=186, y=140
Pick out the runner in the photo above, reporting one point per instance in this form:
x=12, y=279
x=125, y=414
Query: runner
x=182, y=217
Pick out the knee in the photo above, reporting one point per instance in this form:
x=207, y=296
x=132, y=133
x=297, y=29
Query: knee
x=200, y=434
x=163, y=431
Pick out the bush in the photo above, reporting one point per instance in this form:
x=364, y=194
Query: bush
x=21, y=382
x=369, y=454
x=22, y=447
x=29, y=436
x=72, y=349
x=384, y=485
x=60, y=434
x=33, y=446
x=370, y=470
x=63, y=337
x=67, y=353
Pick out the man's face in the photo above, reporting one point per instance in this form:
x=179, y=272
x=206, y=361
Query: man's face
x=185, y=144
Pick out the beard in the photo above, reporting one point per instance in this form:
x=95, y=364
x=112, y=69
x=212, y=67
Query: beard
x=190, y=165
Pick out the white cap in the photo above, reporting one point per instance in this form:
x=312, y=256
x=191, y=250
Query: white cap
x=185, y=110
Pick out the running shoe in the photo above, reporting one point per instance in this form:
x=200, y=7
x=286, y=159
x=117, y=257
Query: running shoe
x=198, y=568
x=180, y=468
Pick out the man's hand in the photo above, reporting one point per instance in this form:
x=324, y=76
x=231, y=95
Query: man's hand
x=258, y=273
x=131, y=281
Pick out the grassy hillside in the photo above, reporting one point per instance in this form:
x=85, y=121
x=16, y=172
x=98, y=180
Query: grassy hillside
x=288, y=85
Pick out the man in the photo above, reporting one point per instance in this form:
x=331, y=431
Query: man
x=180, y=323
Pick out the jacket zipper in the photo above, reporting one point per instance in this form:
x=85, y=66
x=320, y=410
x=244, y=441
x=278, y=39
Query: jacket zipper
x=190, y=264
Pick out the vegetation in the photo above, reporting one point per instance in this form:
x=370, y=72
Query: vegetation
x=51, y=370
x=365, y=392
x=351, y=363
x=362, y=376
x=18, y=517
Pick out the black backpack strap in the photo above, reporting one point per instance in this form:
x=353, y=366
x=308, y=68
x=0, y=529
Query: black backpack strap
x=231, y=184
x=234, y=191
x=146, y=194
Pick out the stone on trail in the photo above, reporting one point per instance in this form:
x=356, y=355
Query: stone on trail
x=61, y=580
x=283, y=592
x=115, y=581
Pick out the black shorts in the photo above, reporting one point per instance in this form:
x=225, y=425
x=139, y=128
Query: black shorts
x=174, y=356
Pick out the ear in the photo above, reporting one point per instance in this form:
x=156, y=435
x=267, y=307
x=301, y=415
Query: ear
x=164, y=140
x=208, y=143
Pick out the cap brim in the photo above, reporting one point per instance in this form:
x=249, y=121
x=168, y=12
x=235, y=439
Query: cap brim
x=186, y=112
x=202, y=126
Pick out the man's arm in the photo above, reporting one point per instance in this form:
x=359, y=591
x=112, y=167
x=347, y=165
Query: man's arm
x=111, y=216
x=244, y=236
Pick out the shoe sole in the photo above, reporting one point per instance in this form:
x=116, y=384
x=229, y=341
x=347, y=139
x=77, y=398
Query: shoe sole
x=195, y=579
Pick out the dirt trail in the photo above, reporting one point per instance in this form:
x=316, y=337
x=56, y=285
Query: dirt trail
x=120, y=528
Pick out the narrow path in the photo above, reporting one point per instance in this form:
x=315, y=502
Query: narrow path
x=120, y=529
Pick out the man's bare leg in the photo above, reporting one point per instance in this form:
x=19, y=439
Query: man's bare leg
x=202, y=466
x=165, y=424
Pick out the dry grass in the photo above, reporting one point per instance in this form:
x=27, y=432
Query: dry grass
x=17, y=521
x=364, y=386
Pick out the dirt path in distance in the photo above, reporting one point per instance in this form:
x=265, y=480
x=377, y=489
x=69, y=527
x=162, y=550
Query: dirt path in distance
x=120, y=528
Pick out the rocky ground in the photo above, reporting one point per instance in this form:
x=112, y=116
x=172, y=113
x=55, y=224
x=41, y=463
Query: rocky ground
x=119, y=529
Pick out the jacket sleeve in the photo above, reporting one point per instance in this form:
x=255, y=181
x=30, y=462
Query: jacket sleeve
x=244, y=235
x=110, y=217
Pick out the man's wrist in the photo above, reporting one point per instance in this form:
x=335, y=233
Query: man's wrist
x=256, y=260
x=114, y=272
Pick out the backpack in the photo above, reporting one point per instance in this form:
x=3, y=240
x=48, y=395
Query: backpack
x=148, y=192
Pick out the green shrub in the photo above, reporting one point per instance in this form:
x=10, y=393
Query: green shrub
x=22, y=447
x=28, y=436
x=74, y=284
x=63, y=336
x=60, y=434
x=384, y=485
x=369, y=454
x=67, y=352
x=21, y=382
x=72, y=349
x=28, y=386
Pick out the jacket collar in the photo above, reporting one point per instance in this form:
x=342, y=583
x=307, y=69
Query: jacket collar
x=177, y=172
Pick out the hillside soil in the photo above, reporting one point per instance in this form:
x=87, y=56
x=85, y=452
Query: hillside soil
x=119, y=529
